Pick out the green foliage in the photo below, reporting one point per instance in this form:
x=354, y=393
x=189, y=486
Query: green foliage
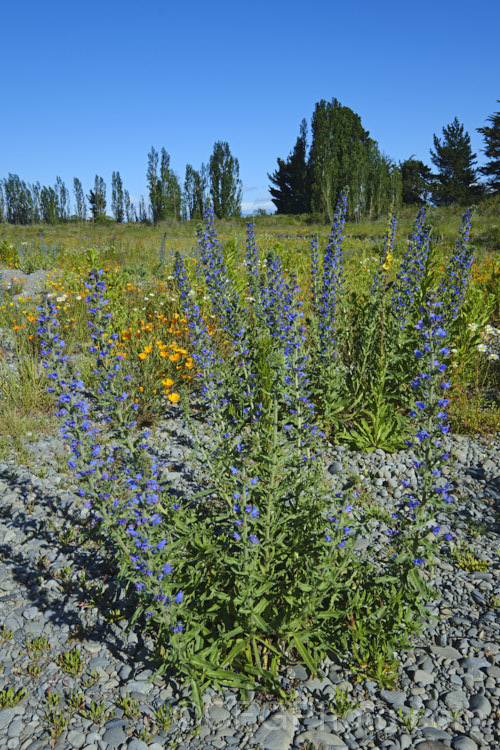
x=9, y=697
x=416, y=181
x=71, y=662
x=164, y=188
x=466, y=560
x=491, y=135
x=291, y=193
x=456, y=179
x=225, y=183
x=97, y=198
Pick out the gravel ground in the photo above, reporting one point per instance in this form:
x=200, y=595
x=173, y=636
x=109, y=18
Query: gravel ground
x=448, y=692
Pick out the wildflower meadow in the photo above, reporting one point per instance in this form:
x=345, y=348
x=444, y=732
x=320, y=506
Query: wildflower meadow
x=274, y=349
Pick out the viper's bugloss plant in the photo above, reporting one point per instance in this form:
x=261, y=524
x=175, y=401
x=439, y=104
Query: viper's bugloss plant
x=414, y=530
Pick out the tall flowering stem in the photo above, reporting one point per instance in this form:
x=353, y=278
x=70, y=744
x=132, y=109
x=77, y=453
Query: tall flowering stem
x=453, y=285
x=332, y=281
x=432, y=492
x=412, y=271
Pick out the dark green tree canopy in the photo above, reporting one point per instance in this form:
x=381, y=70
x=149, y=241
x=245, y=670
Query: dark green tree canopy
x=456, y=180
x=117, y=197
x=164, y=190
x=491, y=134
x=416, y=181
x=342, y=156
x=291, y=192
x=225, y=183
x=97, y=198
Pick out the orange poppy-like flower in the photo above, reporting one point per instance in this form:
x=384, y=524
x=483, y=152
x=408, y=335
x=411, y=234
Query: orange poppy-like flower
x=142, y=355
x=173, y=397
x=148, y=349
x=168, y=382
x=126, y=335
x=174, y=357
x=15, y=328
x=188, y=363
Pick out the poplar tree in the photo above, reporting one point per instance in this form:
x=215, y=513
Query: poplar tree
x=225, y=184
x=97, y=198
x=117, y=197
x=81, y=208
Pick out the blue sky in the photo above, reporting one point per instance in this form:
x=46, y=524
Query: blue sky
x=88, y=88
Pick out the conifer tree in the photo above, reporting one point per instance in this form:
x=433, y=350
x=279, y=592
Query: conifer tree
x=456, y=180
x=491, y=134
x=291, y=191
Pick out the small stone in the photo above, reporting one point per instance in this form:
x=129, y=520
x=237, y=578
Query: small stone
x=76, y=739
x=219, y=714
x=480, y=705
x=393, y=697
x=276, y=732
x=423, y=677
x=137, y=745
x=456, y=700
x=320, y=739
x=114, y=737
x=463, y=743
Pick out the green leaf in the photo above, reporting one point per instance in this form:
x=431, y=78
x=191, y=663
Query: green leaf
x=306, y=655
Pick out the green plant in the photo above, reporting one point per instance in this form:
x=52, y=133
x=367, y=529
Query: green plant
x=466, y=560
x=163, y=716
x=9, y=697
x=76, y=700
x=6, y=635
x=96, y=712
x=57, y=720
x=35, y=645
x=63, y=575
x=411, y=718
x=91, y=678
x=71, y=662
x=129, y=706
x=52, y=698
x=342, y=703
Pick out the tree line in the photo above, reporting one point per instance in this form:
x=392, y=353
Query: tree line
x=218, y=180
x=341, y=155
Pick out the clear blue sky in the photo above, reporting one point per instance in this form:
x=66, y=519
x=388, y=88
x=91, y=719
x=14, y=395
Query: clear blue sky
x=88, y=88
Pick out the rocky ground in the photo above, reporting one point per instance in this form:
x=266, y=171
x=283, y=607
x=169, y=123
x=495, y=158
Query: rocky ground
x=87, y=679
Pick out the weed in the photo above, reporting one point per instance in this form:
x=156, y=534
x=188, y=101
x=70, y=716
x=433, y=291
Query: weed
x=91, y=679
x=38, y=644
x=466, y=560
x=58, y=721
x=96, y=713
x=63, y=575
x=71, y=662
x=130, y=707
x=53, y=699
x=67, y=535
x=6, y=635
x=342, y=703
x=163, y=717
x=412, y=718
x=10, y=697
x=76, y=700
